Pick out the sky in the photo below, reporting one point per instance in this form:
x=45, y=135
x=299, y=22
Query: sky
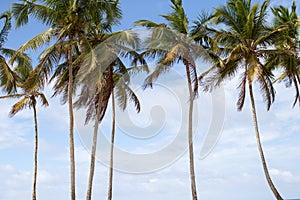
x=151, y=160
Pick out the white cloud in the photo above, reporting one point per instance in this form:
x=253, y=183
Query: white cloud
x=6, y=168
x=285, y=176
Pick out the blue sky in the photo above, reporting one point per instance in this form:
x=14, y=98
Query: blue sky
x=231, y=171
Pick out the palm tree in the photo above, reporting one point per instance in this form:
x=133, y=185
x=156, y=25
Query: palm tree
x=171, y=43
x=113, y=82
x=68, y=21
x=245, y=43
x=289, y=62
x=29, y=94
x=105, y=73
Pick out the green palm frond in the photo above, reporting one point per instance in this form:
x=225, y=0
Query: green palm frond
x=148, y=24
x=113, y=14
x=37, y=41
x=201, y=30
x=22, y=11
x=6, y=26
x=266, y=87
x=177, y=19
x=124, y=93
x=7, y=77
x=22, y=61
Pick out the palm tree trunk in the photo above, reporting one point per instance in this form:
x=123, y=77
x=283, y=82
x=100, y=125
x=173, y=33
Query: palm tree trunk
x=190, y=135
x=261, y=153
x=111, y=165
x=71, y=121
x=93, y=155
x=36, y=142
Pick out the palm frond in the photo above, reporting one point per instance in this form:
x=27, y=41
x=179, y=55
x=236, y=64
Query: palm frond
x=8, y=78
x=6, y=26
x=148, y=24
x=12, y=96
x=22, y=61
x=22, y=11
x=242, y=95
x=124, y=92
x=20, y=105
x=44, y=100
x=177, y=19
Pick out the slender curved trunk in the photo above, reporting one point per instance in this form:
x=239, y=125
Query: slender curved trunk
x=190, y=135
x=71, y=121
x=93, y=156
x=261, y=153
x=36, y=142
x=111, y=164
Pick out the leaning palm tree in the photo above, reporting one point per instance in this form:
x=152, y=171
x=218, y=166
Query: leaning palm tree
x=28, y=91
x=289, y=63
x=171, y=43
x=68, y=21
x=246, y=43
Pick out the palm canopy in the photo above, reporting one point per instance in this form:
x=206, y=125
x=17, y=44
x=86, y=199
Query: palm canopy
x=245, y=44
x=68, y=21
x=103, y=70
x=67, y=17
x=288, y=63
x=29, y=90
x=171, y=43
x=113, y=80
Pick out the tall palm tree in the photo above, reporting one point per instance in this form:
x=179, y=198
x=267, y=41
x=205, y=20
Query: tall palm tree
x=107, y=72
x=289, y=63
x=28, y=92
x=246, y=43
x=171, y=43
x=68, y=21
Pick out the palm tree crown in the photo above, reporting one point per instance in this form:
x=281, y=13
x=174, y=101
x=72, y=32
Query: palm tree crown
x=289, y=41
